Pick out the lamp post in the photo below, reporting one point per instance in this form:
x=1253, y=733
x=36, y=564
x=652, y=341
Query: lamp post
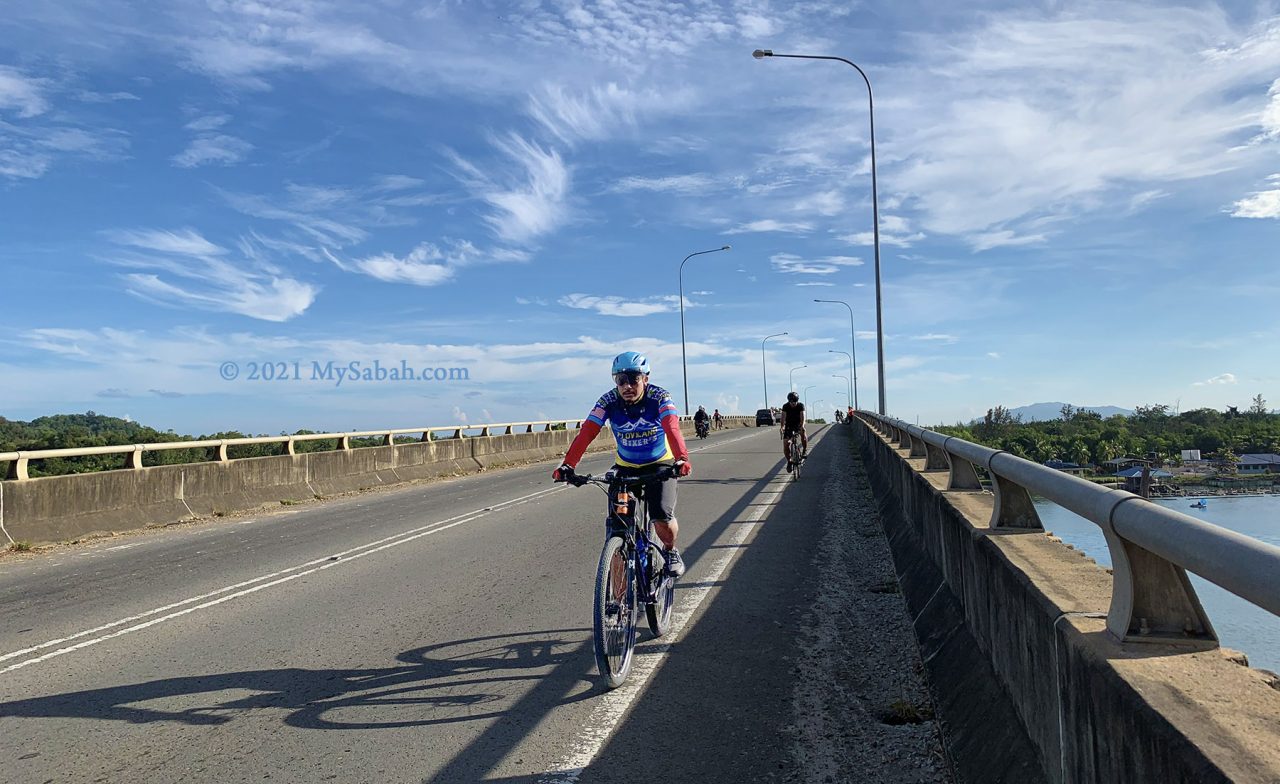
x=806, y=397
x=764, y=372
x=853, y=347
x=760, y=54
x=791, y=378
x=684, y=368
x=853, y=371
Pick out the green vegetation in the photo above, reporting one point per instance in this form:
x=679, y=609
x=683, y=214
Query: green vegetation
x=19, y=546
x=1085, y=437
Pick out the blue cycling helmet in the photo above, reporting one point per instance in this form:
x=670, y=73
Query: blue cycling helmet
x=630, y=360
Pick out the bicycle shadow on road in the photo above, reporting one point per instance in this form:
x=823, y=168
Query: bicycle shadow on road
x=464, y=672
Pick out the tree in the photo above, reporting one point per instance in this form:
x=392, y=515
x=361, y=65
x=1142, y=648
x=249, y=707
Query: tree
x=1068, y=412
x=1259, y=406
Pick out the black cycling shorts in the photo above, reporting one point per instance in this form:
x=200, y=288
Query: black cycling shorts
x=659, y=495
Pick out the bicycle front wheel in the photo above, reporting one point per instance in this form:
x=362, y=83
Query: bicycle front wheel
x=659, y=612
x=615, y=612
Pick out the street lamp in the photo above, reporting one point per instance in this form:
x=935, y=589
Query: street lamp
x=684, y=368
x=791, y=378
x=853, y=347
x=760, y=54
x=853, y=371
x=764, y=373
x=806, y=397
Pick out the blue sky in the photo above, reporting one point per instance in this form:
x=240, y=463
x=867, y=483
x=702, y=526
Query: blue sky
x=1079, y=202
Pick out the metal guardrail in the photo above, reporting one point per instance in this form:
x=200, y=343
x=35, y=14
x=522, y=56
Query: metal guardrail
x=1151, y=547
x=18, y=461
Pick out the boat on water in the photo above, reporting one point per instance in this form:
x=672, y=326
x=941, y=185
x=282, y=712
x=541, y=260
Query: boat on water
x=1200, y=504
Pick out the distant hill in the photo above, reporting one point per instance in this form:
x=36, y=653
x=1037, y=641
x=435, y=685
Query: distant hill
x=1043, y=412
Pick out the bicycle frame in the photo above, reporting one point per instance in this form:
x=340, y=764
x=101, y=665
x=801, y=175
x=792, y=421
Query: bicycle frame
x=629, y=518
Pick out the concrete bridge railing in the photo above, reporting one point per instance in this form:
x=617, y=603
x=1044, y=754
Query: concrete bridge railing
x=71, y=506
x=1045, y=667
x=1151, y=547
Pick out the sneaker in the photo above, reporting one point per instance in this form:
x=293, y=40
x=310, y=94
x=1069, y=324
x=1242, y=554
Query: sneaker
x=675, y=564
x=790, y=466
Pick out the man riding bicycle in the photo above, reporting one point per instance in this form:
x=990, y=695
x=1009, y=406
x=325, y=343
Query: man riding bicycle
x=793, y=422
x=646, y=425
x=715, y=419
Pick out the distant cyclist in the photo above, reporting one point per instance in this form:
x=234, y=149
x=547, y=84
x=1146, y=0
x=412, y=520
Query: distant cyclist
x=716, y=420
x=839, y=416
x=793, y=422
x=646, y=425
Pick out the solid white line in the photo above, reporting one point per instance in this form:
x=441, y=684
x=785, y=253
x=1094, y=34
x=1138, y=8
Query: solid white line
x=614, y=705
x=275, y=578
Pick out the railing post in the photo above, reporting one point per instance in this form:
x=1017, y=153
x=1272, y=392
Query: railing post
x=220, y=454
x=917, y=445
x=134, y=460
x=389, y=439
x=1014, y=509
x=289, y=448
x=344, y=443
x=1152, y=599
x=935, y=458
x=18, y=468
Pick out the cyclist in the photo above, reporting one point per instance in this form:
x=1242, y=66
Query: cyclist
x=701, y=420
x=793, y=422
x=646, y=424
x=848, y=417
x=715, y=419
x=839, y=416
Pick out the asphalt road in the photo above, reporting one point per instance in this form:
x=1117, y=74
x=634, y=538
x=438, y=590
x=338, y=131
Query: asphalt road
x=437, y=633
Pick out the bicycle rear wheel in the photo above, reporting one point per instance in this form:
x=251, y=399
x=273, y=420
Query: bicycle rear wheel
x=615, y=613
x=796, y=458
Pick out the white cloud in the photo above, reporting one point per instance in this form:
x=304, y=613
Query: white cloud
x=1225, y=378
x=598, y=111
x=815, y=283
x=1030, y=122
x=208, y=279
x=618, y=306
x=993, y=354
x=523, y=207
x=217, y=148
x=826, y=265
x=1262, y=204
x=421, y=267
x=22, y=93
x=1003, y=239
x=933, y=337
x=769, y=224
x=209, y=122
x=680, y=183
x=894, y=230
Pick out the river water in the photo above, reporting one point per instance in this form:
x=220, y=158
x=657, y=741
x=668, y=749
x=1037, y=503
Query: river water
x=1239, y=623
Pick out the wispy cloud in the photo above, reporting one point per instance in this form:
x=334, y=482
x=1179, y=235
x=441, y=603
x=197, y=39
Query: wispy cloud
x=1034, y=123
x=200, y=274
x=769, y=224
x=22, y=93
x=1225, y=378
x=212, y=148
x=599, y=111
x=679, y=183
x=526, y=206
x=825, y=265
x=618, y=306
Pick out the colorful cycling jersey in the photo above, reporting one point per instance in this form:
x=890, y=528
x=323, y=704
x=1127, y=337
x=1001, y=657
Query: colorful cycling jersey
x=637, y=428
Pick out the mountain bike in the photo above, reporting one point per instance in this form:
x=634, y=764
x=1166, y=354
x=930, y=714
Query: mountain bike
x=797, y=456
x=632, y=571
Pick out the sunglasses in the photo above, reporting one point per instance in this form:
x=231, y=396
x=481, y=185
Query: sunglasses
x=631, y=377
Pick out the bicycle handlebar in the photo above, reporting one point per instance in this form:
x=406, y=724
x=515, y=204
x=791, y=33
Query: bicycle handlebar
x=612, y=477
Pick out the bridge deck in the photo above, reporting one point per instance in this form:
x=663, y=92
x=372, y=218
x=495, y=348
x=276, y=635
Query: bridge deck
x=449, y=640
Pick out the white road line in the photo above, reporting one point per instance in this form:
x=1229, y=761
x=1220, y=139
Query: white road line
x=614, y=705
x=274, y=578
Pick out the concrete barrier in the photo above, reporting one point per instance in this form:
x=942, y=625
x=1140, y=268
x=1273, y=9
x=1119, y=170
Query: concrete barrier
x=61, y=508
x=1094, y=709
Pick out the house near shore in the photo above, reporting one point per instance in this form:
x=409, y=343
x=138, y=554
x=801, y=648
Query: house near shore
x=1133, y=478
x=1122, y=463
x=1258, y=464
